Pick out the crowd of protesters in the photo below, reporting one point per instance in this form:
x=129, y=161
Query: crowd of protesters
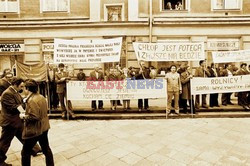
x=178, y=86
x=25, y=116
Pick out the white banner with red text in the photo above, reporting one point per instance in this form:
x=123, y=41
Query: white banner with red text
x=169, y=51
x=220, y=84
x=231, y=56
x=87, y=51
x=116, y=90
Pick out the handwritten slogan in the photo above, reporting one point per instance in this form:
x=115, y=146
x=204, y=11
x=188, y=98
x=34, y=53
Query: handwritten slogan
x=116, y=90
x=169, y=51
x=85, y=51
x=220, y=84
x=231, y=56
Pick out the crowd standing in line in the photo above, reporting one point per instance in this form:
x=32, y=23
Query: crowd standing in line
x=59, y=77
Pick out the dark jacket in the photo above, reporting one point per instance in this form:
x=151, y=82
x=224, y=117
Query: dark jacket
x=144, y=75
x=81, y=77
x=4, y=84
x=212, y=72
x=224, y=73
x=185, y=81
x=10, y=100
x=242, y=72
x=36, y=119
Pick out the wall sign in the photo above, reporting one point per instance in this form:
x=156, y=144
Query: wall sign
x=11, y=47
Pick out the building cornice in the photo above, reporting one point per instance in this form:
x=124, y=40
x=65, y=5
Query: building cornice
x=83, y=22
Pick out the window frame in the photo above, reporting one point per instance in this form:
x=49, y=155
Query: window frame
x=56, y=1
x=114, y=4
x=213, y=5
x=6, y=7
x=187, y=4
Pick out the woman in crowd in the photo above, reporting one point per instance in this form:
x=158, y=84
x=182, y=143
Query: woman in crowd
x=126, y=103
x=112, y=77
x=173, y=89
x=36, y=124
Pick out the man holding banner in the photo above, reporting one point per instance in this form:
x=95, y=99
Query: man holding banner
x=96, y=75
x=61, y=77
x=227, y=72
x=201, y=72
x=242, y=96
x=144, y=73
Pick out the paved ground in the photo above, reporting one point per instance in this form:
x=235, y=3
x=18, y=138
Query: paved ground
x=146, y=142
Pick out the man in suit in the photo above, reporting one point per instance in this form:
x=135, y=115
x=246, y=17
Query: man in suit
x=242, y=96
x=201, y=71
x=213, y=101
x=227, y=72
x=144, y=73
x=61, y=77
x=96, y=75
x=12, y=105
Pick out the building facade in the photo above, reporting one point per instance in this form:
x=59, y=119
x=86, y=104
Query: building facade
x=28, y=27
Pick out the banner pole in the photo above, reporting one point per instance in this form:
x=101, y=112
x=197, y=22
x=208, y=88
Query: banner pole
x=192, y=100
x=191, y=106
x=48, y=89
x=67, y=104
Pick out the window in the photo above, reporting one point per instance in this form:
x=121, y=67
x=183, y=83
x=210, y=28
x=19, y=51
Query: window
x=174, y=5
x=9, y=6
x=227, y=4
x=55, y=5
x=114, y=12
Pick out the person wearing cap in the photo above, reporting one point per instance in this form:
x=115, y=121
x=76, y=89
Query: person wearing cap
x=61, y=77
x=242, y=96
x=96, y=75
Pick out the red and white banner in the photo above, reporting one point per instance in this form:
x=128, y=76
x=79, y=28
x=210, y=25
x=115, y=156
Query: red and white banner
x=116, y=90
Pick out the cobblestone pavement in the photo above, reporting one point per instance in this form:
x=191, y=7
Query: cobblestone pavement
x=146, y=142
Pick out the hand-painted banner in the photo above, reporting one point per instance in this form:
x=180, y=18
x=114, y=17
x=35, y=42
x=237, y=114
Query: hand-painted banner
x=116, y=90
x=86, y=51
x=169, y=51
x=220, y=84
x=231, y=56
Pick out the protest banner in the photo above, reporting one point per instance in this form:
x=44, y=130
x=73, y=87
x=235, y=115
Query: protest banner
x=116, y=90
x=231, y=56
x=220, y=84
x=86, y=51
x=169, y=51
x=37, y=72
